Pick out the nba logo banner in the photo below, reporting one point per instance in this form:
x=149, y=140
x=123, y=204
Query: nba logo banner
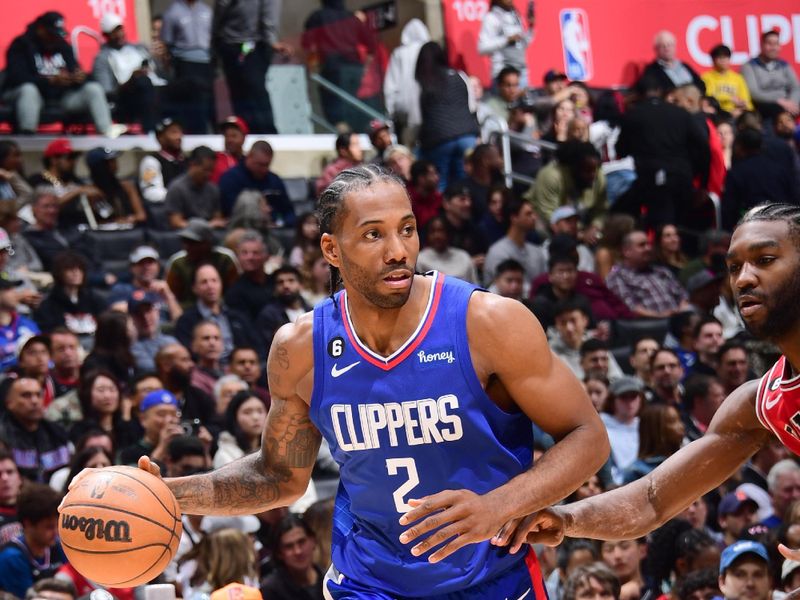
x=576, y=44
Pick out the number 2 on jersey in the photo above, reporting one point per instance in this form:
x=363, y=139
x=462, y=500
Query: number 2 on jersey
x=392, y=466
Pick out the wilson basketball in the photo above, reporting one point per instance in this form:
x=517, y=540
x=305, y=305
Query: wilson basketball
x=120, y=526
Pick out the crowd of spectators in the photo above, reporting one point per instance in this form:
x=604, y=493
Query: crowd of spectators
x=616, y=247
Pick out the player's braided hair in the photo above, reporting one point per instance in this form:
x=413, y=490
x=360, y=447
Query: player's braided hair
x=776, y=212
x=331, y=201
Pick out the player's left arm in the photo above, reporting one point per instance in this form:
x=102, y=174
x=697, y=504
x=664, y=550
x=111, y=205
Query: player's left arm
x=507, y=341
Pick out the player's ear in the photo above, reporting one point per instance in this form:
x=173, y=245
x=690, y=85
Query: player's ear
x=330, y=249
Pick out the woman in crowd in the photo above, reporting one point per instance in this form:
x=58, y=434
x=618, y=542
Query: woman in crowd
x=583, y=101
x=596, y=387
x=91, y=457
x=121, y=202
x=316, y=277
x=591, y=487
x=449, y=126
x=563, y=113
x=609, y=250
x=222, y=557
x=306, y=238
x=668, y=249
x=71, y=302
x=12, y=183
x=296, y=577
x=492, y=224
x=319, y=517
x=112, y=346
x=93, y=438
x=102, y=407
x=661, y=432
x=244, y=422
x=726, y=137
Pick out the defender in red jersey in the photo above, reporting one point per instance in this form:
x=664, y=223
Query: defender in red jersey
x=764, y=267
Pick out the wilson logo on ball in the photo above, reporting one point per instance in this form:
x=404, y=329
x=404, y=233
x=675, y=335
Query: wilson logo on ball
x=110, y=531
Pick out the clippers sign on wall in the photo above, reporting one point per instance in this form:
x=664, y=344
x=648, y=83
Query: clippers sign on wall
x=607, y=42
x=81, y=18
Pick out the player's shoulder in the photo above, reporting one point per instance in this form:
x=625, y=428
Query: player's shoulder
x=493, y=315
x=297, y=334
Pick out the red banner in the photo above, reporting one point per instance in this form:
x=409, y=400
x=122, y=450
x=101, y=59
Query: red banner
x=607, y=42
x=81, y=19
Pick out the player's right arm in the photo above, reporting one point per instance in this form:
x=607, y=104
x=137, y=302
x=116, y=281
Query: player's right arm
x=279, y=473
x=635, y=509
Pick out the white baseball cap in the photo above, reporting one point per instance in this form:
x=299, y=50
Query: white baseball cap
x=109, y=22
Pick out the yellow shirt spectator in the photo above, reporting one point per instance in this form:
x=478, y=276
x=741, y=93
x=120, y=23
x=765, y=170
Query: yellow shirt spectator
x=727, y=86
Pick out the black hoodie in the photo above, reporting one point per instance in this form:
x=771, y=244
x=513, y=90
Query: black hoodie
x=28, y=62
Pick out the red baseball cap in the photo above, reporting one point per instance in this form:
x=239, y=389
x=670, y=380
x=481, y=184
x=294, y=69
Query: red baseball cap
x=234, y=121
x=59, y=147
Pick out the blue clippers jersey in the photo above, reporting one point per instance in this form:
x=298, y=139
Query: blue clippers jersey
x=406, y=426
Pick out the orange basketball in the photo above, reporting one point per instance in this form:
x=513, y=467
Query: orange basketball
x=120, y=526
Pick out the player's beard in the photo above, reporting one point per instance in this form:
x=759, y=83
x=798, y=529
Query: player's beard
x=362, y=281
x=781, y=308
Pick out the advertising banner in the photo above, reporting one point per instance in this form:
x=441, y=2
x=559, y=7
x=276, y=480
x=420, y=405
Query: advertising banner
x=607, y=42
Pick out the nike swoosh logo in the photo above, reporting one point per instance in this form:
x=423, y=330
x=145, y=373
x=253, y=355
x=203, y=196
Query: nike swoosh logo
x=770, y=403
x=523, y=595
x=337, y=372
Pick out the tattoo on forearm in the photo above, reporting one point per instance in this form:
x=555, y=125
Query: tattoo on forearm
x=251, y=486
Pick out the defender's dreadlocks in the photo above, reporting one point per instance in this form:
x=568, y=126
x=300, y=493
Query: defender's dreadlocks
x=331, y=202
x=776, y=212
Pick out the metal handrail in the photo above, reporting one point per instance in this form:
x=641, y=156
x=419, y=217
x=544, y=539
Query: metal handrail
x=350, y=99
x=506, y=135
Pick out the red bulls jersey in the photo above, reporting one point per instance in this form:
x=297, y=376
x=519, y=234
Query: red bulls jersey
x=778, y=404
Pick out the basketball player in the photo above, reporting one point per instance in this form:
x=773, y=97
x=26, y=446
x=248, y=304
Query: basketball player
x=764, y=265
x=418, y=384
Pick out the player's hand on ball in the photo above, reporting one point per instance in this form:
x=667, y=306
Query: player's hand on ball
x=148, y=465
x=543, y=527
x=462, y=517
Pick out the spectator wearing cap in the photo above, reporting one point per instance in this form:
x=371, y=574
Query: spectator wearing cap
x=234, y=131
x=398, y=159
x=380, y=134
x=573, y=178
x=236, y=328
x=144, y=308
x=744, y=571
x=790, y=575
x=725, y=84
x=521, y=221
x=199, y=248
x=348, y=154
x=772, y=81
x=193, y=194
x=669, y=71
x=556, y=88
x=621, y=419
x=144, y=270
x=59, y=160
x=736, y=512
x=423, y=188
x=702, y=397
x=13, y=326
x=41, y=67
x=564, y=222
x=121, y=202
x=39, y=447
x=128, y=75
x=505, y=37
x=157, y=170
x=186, y=32
x=159, y=416
x=254, y=174
x=253, y=289
x=649, y=290
x=464, y=233
x=439, y=255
